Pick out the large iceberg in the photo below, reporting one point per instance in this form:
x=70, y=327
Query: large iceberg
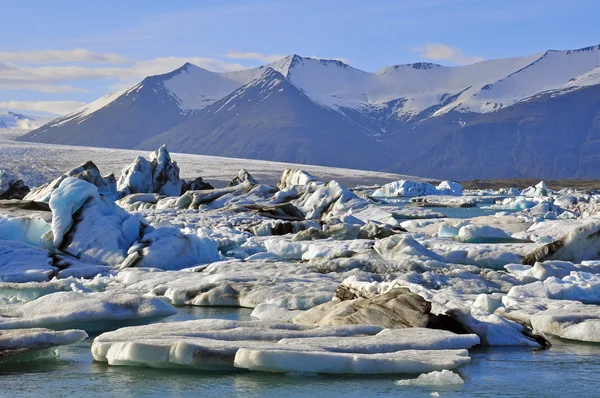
x=87, y=172
x=418, y=188
x=160, y=175
x=266, y=346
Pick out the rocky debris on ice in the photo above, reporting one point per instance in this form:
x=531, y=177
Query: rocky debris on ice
x=295, y=177
x=219, y=345
x=417, y=188
x=397, y=308
x=242, y=177
x=453, y=310
x=434, y=379
x=197, y=184
x=19, y=345
x=579, y=244
x=92, y=312
x=87, y=172
x=159, y=175
x=11, y=187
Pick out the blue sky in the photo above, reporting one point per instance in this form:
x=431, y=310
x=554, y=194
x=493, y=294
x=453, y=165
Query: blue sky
x=57, y=55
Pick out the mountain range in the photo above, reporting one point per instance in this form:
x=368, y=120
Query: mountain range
x=535, y=116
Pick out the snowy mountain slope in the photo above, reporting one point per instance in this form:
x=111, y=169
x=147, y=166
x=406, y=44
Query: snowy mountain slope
x=270, y=118
x=548, y=137
x=398, y=111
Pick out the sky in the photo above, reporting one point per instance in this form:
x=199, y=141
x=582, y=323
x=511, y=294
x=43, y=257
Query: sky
x=59, y=55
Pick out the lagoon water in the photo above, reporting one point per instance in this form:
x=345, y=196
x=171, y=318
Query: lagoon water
x=566, y=370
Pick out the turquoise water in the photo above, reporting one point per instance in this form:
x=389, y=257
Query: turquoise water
x=566, y=370
x=451, y=212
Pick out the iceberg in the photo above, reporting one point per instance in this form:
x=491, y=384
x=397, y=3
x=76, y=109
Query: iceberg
x=19, y=345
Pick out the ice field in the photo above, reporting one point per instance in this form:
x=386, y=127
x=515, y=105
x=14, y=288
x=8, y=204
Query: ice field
x=276, y=278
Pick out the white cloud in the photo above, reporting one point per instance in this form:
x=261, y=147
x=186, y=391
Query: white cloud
x=45, y=88
x=443, y=52
x=56, y=107
x=253, y=55
x=53, y=78
x=63, y=56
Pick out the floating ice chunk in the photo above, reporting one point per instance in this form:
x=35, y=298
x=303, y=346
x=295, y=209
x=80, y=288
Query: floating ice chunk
x=159, y=175
x=573, y=321
x=89, y=311
x=243, y=177
x=286, y=249
x=581, y=243
x=86, y=172
x=25, y=229
x=28, y=291
x=391, y=340
x=272, y=312
x=65, y=200
x=482, y=234
x=207, y=344
x=418, y=188
x=447, y=231
x=406, y=188
x=486, y=303
x=409, y=361
x=170, y=249
x=292, y=177
x=235, y=283
x=399, y=248
x=494, y=330
x=449, y=188
x=540, y=190
x=20, y=262
x=443, y=378
x=30, y=344
x=101, y=233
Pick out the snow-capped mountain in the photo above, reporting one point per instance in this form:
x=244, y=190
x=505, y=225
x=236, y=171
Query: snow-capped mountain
x=14, y=120
x=397, y=112
x=271, y=118
x=13, y=124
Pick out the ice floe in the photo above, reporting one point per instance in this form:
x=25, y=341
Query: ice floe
x=19, y=345
x=272, y=347
x=93, y=312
